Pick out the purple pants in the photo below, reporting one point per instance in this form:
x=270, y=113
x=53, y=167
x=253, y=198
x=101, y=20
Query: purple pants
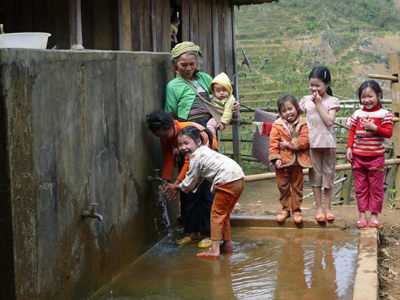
x=368, y=174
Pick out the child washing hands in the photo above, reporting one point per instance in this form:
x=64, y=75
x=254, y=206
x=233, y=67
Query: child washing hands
x=366, y=152
x=227, y=180
x=288, y=150
x=222, y=90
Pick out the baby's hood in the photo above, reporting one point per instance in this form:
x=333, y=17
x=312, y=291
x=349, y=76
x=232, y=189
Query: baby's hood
x=223, y=80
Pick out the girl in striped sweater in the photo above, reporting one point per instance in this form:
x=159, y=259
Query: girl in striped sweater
x=366, y=152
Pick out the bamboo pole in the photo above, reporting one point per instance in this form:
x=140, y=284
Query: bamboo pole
x=338, y=168
x=384, y=77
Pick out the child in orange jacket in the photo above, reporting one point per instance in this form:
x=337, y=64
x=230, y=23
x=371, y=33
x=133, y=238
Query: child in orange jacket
x=288, y=151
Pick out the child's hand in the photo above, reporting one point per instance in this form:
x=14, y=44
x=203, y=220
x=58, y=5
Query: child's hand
x=278, y=164
x=367, y=125
x=222, y=126
x=349, y=154
x=283, y=144
x=172, y=191
x=162, y=187
x=316, y=98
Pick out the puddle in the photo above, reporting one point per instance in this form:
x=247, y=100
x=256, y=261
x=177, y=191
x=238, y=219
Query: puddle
x=266, y=264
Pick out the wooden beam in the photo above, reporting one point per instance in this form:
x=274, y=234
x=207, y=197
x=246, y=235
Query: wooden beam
x=338, y=168
x=384, y=77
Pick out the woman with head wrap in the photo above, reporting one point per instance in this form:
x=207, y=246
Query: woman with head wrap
x=183, y=100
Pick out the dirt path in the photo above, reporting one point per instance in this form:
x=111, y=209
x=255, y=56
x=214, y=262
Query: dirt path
x=262, y=198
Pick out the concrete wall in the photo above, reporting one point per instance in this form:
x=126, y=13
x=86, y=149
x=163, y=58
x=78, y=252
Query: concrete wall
x=73, y=132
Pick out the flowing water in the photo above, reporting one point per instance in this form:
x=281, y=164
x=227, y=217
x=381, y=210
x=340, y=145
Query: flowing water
x=162, y=201
x=266, y=264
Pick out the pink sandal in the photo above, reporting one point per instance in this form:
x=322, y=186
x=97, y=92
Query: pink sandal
x=373, y=224
x=362, y=223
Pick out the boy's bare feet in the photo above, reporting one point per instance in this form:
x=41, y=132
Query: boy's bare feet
x=226, y=246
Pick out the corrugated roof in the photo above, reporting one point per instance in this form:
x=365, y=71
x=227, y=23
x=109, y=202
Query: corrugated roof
x=247, y=2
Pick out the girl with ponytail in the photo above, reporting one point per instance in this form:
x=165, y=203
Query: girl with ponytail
x=321, y=108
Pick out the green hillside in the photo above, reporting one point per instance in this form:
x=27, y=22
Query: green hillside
x=351, y=38
x=297, y=35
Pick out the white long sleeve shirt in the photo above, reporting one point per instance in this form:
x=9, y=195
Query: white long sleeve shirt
x=208, y=164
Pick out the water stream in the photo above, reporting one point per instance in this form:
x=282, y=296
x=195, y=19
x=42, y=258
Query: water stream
x=266, y=264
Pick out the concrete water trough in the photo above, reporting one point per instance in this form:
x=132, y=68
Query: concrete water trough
x=270, y=261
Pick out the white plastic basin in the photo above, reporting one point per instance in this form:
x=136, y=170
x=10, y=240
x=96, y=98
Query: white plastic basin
x=27, y=40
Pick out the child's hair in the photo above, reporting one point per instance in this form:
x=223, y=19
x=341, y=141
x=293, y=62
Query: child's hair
x=324, y=74
x=285, y=98
x=195, y=133
x=160, y=120
x=174, y=19
x=373, y=85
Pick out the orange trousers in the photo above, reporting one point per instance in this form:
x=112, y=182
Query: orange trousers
x=226, y=197
x=290, y=185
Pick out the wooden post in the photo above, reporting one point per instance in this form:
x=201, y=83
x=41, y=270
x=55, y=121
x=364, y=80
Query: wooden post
x=75, y=22
x=235, y=126
x=394, y=69
x=346, y=185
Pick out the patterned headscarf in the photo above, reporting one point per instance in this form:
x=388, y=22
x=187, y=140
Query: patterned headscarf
x=184, y=47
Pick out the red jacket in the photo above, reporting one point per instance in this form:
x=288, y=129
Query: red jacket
x=168, y=145
x=298, y=144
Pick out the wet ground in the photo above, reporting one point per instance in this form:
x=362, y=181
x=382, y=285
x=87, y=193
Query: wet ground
x=266, y=264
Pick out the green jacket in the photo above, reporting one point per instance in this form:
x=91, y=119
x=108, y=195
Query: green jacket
x=180, y=95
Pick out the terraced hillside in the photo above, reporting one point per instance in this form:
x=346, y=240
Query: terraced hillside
x=353, y=38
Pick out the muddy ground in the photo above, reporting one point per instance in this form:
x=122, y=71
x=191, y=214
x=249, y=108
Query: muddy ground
x=262, y=198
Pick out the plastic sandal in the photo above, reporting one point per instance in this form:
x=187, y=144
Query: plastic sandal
x=205, y=243
x=226, y=250
x=320, y=218
x=362, y=223
x=373, y=224
x=206, y=255
x=330, y=216
x=186, y=240
x=297, y=217
x=282, y=216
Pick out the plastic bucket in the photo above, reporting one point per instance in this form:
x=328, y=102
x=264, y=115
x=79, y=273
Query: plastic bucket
x=27, y=40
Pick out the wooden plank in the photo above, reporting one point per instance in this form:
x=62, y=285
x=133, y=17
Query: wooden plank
x=49, y=21
x=215, y=37
x=153, y=25
x=115, y=20
x=194, y=17
x=22, y=17
x=61, y=24
x=209, y=63
x=87, y=24
x=136, y=26
x=146, y=39
x=119, y=18
x=203, y=35
x=185, y=20
x=165, y=27
x=8, y=16
x=126, y=25
x=39, y=15
x=102, y=25
x=221, y=36
x=229, y=45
